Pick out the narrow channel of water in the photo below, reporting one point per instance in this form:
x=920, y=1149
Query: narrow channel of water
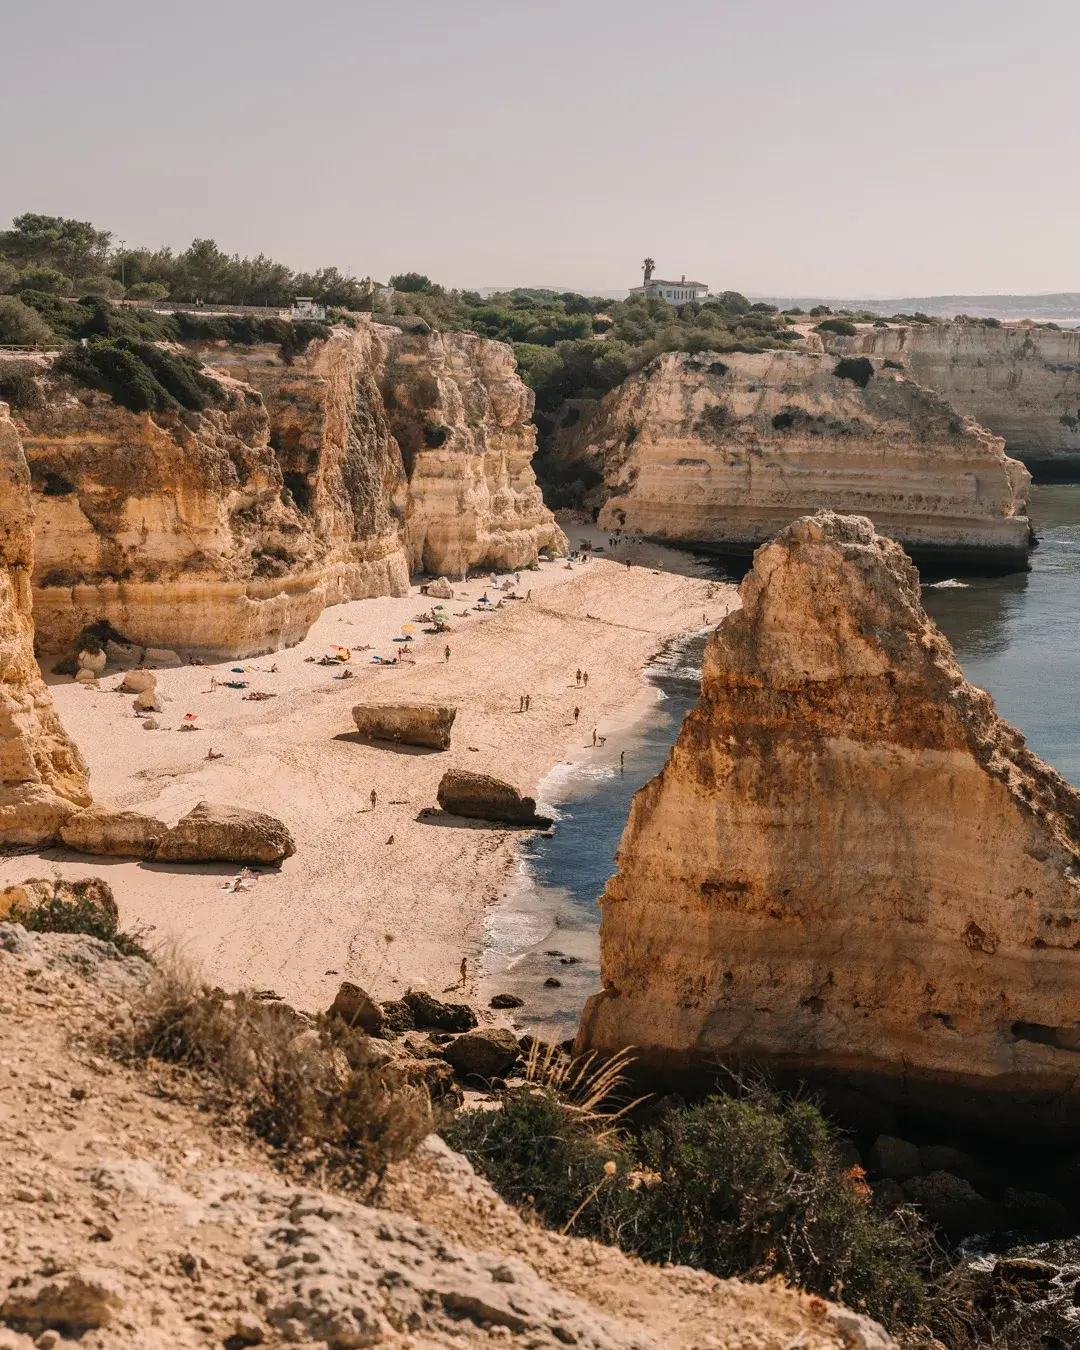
x=1017, y=636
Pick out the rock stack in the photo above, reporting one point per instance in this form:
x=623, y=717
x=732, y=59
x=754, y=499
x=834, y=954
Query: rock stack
x=851, y=868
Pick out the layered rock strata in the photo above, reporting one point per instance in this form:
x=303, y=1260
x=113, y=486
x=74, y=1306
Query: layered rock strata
x=463, y=419
x=228, y=531
x=723, y=451
x=1021, y=382
x=43, y=778
x=850, y=867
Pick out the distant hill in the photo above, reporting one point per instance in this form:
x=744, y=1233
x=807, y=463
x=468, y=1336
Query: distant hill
x=1058, y=307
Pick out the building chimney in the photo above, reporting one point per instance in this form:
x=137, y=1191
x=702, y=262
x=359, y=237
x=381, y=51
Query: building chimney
x=683, y=282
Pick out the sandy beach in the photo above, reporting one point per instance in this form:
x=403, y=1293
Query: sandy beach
x=386, y=897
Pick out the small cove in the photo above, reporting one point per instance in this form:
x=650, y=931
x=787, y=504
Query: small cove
x=1017, y=636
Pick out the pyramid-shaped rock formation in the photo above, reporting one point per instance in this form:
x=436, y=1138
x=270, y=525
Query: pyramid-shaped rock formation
x=850, y=867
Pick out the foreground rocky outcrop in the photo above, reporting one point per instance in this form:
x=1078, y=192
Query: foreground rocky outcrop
x=723, y=451
x=1020, y=381
x=319, y=476
x=482, y=797
x=416, y=723
x=43, y=778
x=850, y=867
x=132, y=1221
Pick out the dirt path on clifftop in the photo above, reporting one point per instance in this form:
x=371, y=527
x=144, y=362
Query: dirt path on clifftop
x=350, y=904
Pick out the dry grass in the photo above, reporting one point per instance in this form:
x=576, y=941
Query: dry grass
x=310, y=1088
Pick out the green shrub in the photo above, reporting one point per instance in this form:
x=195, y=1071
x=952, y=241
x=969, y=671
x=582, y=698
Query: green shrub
x=539, y=1152
x=858, y=369
x=46, y=279
x=140, y=376
x=843, y=327
x=751, y=1186
x=20, y=390
x=80, y=914
x=755, y=1186
x=147, y=290
x=19, y=323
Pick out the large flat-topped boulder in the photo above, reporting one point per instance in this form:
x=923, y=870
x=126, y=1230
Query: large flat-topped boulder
x=118, y=834
x=213, y=833
x=482, y=797
x=425, y=724
x=850, y=867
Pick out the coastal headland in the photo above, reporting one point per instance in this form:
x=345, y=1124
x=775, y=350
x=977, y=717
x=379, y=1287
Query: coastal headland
x=389, y=896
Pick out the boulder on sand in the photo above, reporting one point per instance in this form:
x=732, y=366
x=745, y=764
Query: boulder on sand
x=357, y=1008
x=213, y=833
x=147, y=701
x=114, y=834
x=440, y=589
x=481, y=797
x=138, y=682
x=91, y=660
x=426, y=724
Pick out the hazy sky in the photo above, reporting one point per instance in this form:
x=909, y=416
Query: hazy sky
x=844, y=147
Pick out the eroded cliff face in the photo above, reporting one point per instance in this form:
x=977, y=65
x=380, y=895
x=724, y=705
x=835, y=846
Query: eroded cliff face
x=463, y=419
x=850, y=866
x=1021, y=382
x=229, y=531
x=723, y=451
x=42, y=775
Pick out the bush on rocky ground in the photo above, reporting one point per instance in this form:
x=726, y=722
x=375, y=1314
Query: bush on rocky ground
x=752, y=1185
x=68, y=911
x=309, y=1087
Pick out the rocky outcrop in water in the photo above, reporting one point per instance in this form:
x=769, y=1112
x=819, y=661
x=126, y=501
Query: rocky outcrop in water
x=43, y=778
x=850, y=867
x=228, y=531
x=723, y=451
x=1021, y=382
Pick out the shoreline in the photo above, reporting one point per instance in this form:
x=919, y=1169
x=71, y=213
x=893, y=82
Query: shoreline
x=549, y=902
x=396, y=896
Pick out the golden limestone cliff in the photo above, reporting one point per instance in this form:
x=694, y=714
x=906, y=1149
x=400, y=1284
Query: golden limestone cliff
x=850, y=866
x=229, y=531
x=723, y=451
x=1021, y=382
x=463, y=419
x=42, y=774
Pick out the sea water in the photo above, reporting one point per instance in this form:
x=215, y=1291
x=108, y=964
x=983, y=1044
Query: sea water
x=1017, y=636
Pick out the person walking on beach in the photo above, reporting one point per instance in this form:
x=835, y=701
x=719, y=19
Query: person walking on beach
x=374, y=799
x=577, y=678
x=577, y=713
x=622, y=761
x=585, y=679
x=528, y=702
x=446, y=652
x=594, y=735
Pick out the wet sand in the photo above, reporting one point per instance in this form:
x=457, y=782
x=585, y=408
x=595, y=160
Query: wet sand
x=351, y=904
